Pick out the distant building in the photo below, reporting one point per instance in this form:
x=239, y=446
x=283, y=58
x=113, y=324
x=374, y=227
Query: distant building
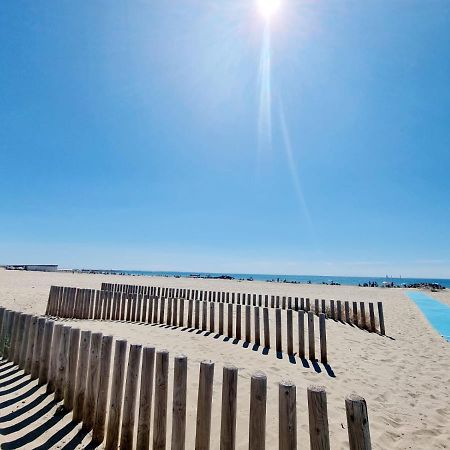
x=34, y=267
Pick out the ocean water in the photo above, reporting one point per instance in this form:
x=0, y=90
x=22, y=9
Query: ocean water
x=315, y=279
x=437, y=313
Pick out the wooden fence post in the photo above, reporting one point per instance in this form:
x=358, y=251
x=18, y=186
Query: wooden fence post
x=301, y=333
x=24, y=345
x=181, y=321
x=339, y=310
x=103, y=306
x=155, y=309
x=160, y=414
x=204, y=315
x=30, y=344
x=129, y=403
x=287, y=412
x=45, y=352
x=123, y=305
x=228, y=416
x=5, y=333
x=62, y=301
x=48, y=307
x=82, y=372
x=324, y=307
x=323, y=339
x=62, y=359
x=92, y=381
x=238, y=322
x=116, y=398
x=139, y=308
x=108, y=305
x=257, y=422
x=347, y=311
x=169, y=311
x=134, y=308
x=279, y=345
x=230, y=320
x=197, y=315
x=248, y=324
x=373, y=327
x=72, y=363
x=98, y=432
x=190, y=307
x=145, y=398
x=318, y=418
x=204, y=405
x=311, y=340
x=357, y=423
x=179, y=402
x=9, y=342
x=117, y=298
x=289, y=333
x=92, y=298
x=161, y=309
x=98, y=307
x=256, y=310
x=211, y=317
x=76, y=306
x=381, y=318
x=12, y=333
x=35, y=362
x=316, y=306
x=355, y=313
x=175, y=312
x=220, y=318
x=332, y=310
x=266, y=328
x=13, y=340
x=20, y=338
x=362, y=310
x=53, y=362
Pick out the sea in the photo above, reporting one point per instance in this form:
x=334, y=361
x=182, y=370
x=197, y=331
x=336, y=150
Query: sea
x=300, y=279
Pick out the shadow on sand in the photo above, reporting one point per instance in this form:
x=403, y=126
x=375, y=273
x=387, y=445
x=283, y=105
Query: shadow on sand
x=32, y=426
x=292, y=359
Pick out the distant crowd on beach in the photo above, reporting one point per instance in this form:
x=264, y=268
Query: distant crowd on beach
x=390, y=284
x=434, y=287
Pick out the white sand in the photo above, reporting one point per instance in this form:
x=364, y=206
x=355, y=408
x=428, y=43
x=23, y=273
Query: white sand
x=405, y=380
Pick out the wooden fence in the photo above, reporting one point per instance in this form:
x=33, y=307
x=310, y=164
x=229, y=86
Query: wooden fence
x=235, y=321
x=96, y=378
x=355, y=313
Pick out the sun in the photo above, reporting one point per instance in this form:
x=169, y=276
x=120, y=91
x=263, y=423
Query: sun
x=267, y=8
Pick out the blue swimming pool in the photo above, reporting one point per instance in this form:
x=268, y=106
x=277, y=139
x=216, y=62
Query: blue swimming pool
x=437, y=313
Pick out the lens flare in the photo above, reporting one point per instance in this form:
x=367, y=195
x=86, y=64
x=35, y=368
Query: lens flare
x=293, y=168
x=265, y=95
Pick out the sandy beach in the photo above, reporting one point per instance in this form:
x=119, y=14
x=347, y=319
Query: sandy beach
x=404, y=376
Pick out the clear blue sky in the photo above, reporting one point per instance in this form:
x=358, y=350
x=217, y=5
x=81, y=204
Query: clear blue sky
x=131, y=136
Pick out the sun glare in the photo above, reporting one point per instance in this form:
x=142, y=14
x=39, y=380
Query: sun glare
x=267, y=8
